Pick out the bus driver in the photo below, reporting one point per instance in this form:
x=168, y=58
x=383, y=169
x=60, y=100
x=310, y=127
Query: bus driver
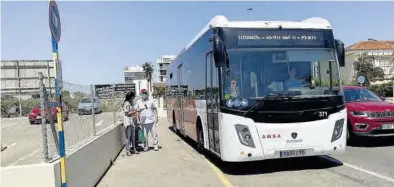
x=293, y=82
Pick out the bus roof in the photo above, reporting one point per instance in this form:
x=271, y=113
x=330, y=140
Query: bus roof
x=222, y=21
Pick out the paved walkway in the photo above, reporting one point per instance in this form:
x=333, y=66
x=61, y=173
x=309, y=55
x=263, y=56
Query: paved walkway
x=176, y=164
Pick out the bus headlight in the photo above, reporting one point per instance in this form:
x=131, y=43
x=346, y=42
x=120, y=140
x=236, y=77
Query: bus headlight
x=244, y=135
x=338, y=128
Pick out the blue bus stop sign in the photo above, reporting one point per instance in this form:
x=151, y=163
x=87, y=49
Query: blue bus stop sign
x=361, y=79
x=54, y=21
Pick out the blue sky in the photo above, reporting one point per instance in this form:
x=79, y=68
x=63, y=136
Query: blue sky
x=100, y=38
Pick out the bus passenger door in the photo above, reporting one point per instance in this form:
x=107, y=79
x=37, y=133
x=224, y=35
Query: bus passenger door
x=212, y=100
x=180, y=99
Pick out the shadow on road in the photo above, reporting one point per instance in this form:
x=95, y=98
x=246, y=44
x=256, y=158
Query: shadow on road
x=268, y=166
x=372, y=142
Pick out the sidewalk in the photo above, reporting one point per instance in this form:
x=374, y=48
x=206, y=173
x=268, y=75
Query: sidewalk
x=176, y=164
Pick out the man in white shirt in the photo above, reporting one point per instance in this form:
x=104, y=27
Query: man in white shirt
x=148, y=118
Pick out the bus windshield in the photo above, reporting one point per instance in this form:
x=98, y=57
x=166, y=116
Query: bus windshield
x=258, y=73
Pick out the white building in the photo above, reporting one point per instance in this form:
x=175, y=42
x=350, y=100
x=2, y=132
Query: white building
x=381, y=50
x=136, y=75
x=161, y=64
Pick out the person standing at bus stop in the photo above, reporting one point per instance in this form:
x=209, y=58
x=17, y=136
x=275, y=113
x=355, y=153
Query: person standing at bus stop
x=148, y=118
x=129, y=123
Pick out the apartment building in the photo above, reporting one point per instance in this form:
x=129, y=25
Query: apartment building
x=136, y=75
x=161, y=65
x=382, y=51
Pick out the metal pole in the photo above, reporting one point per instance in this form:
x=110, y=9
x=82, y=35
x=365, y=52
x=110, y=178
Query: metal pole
x=392, y=98
x=113, y=106
x=58, y=90
x=251, y=13
x=93, y=110
x=19, y=89
x=44, y=134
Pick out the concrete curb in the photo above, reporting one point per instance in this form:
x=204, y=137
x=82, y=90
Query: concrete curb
x=85, y=166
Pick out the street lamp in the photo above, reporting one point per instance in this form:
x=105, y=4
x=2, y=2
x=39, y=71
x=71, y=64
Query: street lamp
x=251, y=12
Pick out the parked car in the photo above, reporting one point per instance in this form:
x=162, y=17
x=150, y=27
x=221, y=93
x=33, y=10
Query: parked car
x=36, y=118
x=85, y=106
x=368, y=114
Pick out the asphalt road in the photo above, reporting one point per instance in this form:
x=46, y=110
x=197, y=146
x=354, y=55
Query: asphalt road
x=24, y=142
x=178, y=164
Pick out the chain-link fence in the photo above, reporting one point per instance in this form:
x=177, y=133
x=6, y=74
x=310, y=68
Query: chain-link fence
x=84, y=116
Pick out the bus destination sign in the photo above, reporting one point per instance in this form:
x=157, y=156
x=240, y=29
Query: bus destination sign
x=281, y=38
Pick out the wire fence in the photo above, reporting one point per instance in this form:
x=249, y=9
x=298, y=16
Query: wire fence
x=84, y=116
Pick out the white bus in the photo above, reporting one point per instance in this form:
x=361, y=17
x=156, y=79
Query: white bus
x=260, y=90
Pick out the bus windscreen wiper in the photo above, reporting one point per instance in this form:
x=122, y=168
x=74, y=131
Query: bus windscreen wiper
x=261, y=100
x=258, y=103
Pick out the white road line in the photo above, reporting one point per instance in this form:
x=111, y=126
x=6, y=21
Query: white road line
x=11, y=145
x=24, y=157
x=8, y=125
x=370, y=172
x=99, y=123
x=360, y=169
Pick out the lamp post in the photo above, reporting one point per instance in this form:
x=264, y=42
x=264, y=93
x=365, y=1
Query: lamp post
x=251, y=12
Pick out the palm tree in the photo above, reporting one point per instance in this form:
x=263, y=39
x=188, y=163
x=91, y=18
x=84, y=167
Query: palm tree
x=148, y=69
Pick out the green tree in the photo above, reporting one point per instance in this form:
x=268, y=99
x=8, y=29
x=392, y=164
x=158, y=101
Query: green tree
x=158, y=91
x=364, y=66
x=72, y=100
x=148, y=69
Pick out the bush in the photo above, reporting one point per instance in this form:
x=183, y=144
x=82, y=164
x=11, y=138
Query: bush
x=28, y=104
x=8, y=102
x=385, y=89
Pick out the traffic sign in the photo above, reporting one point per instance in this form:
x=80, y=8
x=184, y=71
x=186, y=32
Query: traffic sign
x=125, y=88
x=361, y=79
x=105, y=91
x=54, y=21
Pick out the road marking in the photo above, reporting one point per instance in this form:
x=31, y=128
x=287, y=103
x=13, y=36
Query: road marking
x=369, y=172
x=360, y=169
x=8, y=125
x=24, y=157
x=11, y=145
x=99, y=123
x=193, y=152
x=220, y=174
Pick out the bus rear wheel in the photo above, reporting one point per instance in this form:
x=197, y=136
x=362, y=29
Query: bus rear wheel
x=174, y=123
x=200, y=138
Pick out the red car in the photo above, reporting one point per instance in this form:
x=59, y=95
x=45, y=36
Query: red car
x=368, y=114
x=36, y=118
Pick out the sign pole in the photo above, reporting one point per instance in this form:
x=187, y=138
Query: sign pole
x=55, y=27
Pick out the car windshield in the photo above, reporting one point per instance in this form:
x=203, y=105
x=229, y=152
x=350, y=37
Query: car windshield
x=257, y=73
x=362, y=94
x=86, y=100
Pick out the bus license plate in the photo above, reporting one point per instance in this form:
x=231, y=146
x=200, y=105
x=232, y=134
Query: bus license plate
x=388, y=126
x=292, y=153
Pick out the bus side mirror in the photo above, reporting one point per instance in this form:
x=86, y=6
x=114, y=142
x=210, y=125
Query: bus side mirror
x=340, y=47
x=218, y=50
